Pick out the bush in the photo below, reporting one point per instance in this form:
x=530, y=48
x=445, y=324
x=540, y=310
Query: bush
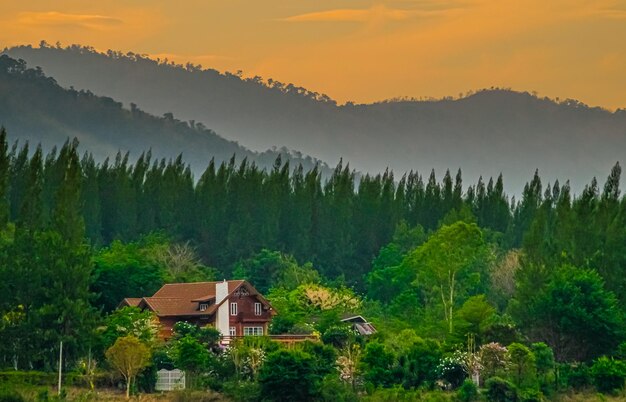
x=334, y=390
x=337, y=336
x=399, y=394
x=28, y=378
x=195, y=396
x=530, y=395
x=500, y=390
x=608, y=375
x=242, y=391
x=451, y=370
x=575, y=376
x=468, y=392
x=11, y=396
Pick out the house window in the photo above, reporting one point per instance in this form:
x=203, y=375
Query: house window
x=233, y=308
x=203, y=306
x=233, y=331
x=257, y=308
x=252, y=331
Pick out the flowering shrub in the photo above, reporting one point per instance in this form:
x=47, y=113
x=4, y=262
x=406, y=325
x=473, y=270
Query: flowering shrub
x=452, y=369
x=493, y=357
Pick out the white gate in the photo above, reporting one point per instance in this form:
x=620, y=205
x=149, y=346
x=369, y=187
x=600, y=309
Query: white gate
x=168, y=380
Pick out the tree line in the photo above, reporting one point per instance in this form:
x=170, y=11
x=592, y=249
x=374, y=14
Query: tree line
x=420, y=255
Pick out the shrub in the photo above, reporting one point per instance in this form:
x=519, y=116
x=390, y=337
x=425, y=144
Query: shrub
x=242, y=391
x=11, y=396
x=500, y=390
x=27, y=378
x=530, y=395
x=451, y=370
x=577, y=376
x=522, y=364
x=608, y=375
x=289, y=375
x=468, y=392
x=195, y=396
x=337, y=336
x=334, y=390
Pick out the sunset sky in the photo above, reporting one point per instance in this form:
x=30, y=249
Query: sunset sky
x=359, y=50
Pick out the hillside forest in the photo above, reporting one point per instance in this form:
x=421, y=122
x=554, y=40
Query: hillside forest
x=459, y=280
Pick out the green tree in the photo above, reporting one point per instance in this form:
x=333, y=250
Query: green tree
x=126, y=270
x=289, y=375
x=130, y=321
x=191, y=356
x=377, y=365
x=522, y=361
x=452, y=263
x=608, y=374
x=573, y=314
x=129, y=356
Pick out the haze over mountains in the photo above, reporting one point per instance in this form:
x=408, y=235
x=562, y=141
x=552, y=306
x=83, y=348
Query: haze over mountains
x=34, y=108
x=484, y=134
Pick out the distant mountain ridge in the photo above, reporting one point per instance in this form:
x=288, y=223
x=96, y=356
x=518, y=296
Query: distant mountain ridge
x=486, y=133
x=34, y=108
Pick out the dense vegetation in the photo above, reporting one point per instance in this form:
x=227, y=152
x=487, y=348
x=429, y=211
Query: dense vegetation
x=525, y=296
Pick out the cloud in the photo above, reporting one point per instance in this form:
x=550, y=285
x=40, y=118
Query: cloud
x=54, y=18
x=375, y=13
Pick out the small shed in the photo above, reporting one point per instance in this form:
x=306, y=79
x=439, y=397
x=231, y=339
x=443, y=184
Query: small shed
x=360, y=325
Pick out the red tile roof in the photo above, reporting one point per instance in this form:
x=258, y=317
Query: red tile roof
x=181, y=299
x=196, y=290
x=130, y=301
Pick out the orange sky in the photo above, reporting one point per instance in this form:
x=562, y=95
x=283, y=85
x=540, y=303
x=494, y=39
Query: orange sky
x=359, y=50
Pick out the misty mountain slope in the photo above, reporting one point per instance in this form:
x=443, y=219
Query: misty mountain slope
x=486, y=133
x=34, y=108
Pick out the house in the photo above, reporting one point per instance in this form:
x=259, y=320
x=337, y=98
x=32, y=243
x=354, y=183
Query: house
x=360, y=325
x=235, y=308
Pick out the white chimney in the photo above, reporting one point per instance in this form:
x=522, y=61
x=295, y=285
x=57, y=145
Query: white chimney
x=221, y=291
x=222, y=315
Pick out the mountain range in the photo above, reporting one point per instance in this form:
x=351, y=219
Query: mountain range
x=484, y=133
x=35, y=109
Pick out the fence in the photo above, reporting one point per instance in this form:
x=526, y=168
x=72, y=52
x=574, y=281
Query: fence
x=168, y=380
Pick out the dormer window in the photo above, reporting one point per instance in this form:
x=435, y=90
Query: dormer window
x=203, y=306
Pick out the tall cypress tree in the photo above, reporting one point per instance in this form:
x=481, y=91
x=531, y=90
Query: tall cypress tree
x=4, y=178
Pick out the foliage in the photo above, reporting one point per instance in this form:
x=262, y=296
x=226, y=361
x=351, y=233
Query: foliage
x=334, y=390
x=500, y=390
x=494, y=358
x=452, y=263
x=190, y=355
x=11, y=396
x=418, y=362
x=452, y=369
x=576, y=376
x=522, y=361
x=474, y=317
x=272, y=268
x=289, y=375
x=129, y=356
x=608, y=374
x=130, y=321
x=468, y=392
x=243, y=391
x=127, y=270
x=573, y=314
x=377, y=364
x=207, y=336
